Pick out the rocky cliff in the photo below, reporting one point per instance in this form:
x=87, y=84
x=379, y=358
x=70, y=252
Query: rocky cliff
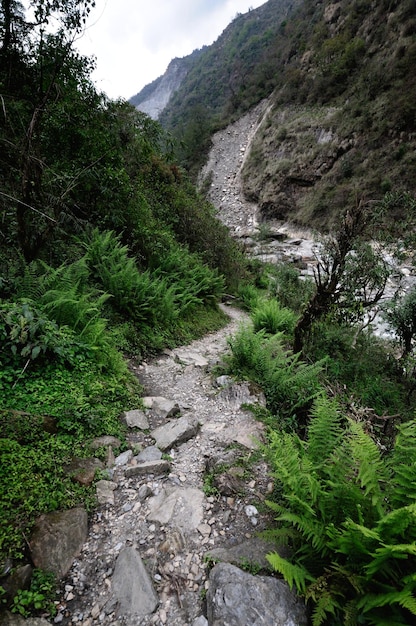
x=153, y=98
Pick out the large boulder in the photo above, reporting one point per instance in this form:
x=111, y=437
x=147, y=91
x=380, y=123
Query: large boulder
x=237, y=598
x=57, y=539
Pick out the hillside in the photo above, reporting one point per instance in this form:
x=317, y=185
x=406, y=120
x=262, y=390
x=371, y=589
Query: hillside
x=154, y=98
x=341, y=80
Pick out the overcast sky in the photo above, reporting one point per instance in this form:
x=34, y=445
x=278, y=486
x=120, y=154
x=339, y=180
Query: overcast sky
x=134, y=40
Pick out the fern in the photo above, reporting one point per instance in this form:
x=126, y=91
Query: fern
x=294, y=575
x=289, y=384
x=324, y=432
x=353, y=551
x=325, y=605
x=403, y=466
x=270, y=317
x=372, y=472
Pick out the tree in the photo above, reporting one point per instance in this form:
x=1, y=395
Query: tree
x=43, y=53
x=401, y=315
x=350, y=276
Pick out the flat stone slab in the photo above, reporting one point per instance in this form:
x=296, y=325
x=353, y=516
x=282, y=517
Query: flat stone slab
x=237, y=598
x=252, y=551
x=132, y=587
x=175, y=432
x=148, y=467
x=241, y=393
x=186, y=357
x=136, y=419
x=151, y=453
x=162, y=407
x=180, y=507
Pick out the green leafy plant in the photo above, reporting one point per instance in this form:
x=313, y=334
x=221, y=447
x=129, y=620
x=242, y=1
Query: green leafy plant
x=288, y=383
x=39, y=597
x=349, y=514
x=272, y=318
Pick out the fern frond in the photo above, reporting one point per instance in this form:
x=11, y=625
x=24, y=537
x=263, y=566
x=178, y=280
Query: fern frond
x=399, y=523
x=402, y=484
x=384, y=557
x=404, y=598
x=325, y=604
x=294, y=575
x=372, y=472
x=313, y=531
x=325, y=431
x=355, y=541
x=282, y=536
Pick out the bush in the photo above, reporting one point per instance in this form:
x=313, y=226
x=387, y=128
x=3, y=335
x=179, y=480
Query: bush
x=289, y=385
x=273, y=319
x=289, y=288
x=350, y=516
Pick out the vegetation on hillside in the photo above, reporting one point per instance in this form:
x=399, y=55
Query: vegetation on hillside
x=106, y=250
x=353, y=60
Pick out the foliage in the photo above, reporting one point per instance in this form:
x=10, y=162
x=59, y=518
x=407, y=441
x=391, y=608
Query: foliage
x=401, y=316
x=289, y=385
x=39, y=597
x=350, y=276
x=360, y=366
x=248, y=295
x=350, y=514
x=286, y=284
x=272, y=318
x=27, y=334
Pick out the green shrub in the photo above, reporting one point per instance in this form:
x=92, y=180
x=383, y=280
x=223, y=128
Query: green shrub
x=289, y=288
x=26, y=334
x=289, y=385
x=349, y=514
x=272, y=318
x=39, y=597
x=248, y=295
x=362, y=364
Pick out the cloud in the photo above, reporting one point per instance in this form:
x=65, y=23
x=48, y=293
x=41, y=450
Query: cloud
x=135, y=41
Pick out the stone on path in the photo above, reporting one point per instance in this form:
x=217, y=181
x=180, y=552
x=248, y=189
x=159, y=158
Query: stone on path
x=57, y=539
x=148, y=467
x=133, y=591
x=162, y=407
x=151, y=453
x=83, y=470
x=175, y=432
x=187, y=357
x=245, y=431
x=237, y=394
x=123, y=458
x=136, y=419
x=181, y=507
x=237, y=598
x=252, y=551
x=105, y=491
x=104, y=442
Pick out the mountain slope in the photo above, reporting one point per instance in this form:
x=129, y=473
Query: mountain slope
x=343, y=122
x=153, y=98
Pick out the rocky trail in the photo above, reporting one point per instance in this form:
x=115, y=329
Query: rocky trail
x=190, y=488
x=152, y=543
